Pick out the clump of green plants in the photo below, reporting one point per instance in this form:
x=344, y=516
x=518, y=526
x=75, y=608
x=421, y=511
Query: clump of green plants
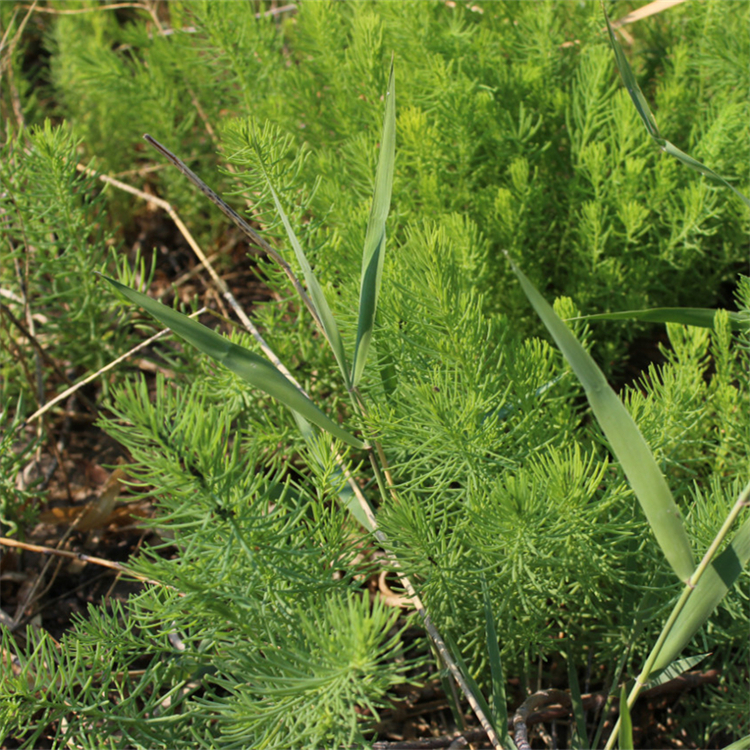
x=55, y=239
x=426, y=435
x=512, y=120
x=55, y=326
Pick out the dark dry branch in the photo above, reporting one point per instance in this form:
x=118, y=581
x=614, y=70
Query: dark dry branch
x=228, y=211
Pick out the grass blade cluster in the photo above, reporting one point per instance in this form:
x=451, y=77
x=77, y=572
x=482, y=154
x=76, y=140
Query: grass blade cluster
x=319, y=300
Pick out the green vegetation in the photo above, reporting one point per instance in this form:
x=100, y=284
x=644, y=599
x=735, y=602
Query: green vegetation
x=545, y=540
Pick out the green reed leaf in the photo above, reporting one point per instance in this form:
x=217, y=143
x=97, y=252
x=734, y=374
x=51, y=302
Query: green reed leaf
x=626, y=724
x=248, y=365
x=675, y=669
x=632, y=86
x=374, y=250
x=320, y=303
x=470, y=681
x=576, y=702
x=713, y=585
x=626, y=440
x=741, y=744
x=499, y=712
x=701, y=317
x=644, y=112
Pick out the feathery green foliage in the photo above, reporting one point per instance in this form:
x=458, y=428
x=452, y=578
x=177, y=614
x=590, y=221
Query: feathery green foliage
x=514, y=521
x=511, y=117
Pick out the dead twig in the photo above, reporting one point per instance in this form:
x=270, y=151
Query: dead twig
x=228, y=211
x=533, y=702
x=5, y=542
x=106, y=368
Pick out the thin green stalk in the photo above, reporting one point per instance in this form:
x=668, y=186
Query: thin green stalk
x=742, y=501
x=375, y=453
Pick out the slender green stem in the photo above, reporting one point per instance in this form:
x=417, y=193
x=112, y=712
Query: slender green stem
x=378, y=455
x=642, y=679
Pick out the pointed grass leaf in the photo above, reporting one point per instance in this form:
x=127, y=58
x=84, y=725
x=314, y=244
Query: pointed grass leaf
x=741, y=744
x=675, y=669
x=499, y=702
x=374, y=250
x=713, y=585
x=471, y=682
x=351, y=502
x=626, y=724
x=249, y=366
x=644, y=112
x=688, y=161
x=319, y=300
x=576, y=702
x=631, y=84
x=624, y=437
x=701, y=317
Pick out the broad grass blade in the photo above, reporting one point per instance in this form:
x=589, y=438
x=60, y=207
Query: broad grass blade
x=249, y=366
x=701, y=317
x=688, y=161
x=374, y=250
x=644, y=112
x=632, y=85
x=624, y=437
x=713, y=585
x=742, y=744
x=316, y=293
x=675, y=669
x=626, y=724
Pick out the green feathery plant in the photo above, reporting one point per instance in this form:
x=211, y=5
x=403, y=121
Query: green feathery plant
x=512, y=122
x=698, y=601
x=494, y=490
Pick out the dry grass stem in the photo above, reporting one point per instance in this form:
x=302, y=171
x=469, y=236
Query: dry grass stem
x=228, y=211
x=106, y=368
x=5, y=542
x=651, y=9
